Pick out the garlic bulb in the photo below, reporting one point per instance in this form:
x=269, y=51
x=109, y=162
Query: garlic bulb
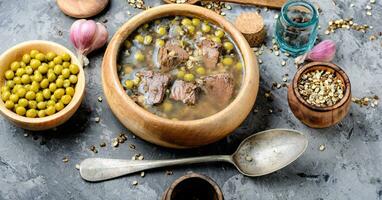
x=86, y=36
x=323, y=52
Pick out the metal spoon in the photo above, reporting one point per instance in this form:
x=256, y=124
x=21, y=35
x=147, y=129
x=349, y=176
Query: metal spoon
x=259, y=154
x=269, y=3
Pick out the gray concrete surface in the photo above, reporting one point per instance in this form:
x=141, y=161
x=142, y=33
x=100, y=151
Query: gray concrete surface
x=349, y=168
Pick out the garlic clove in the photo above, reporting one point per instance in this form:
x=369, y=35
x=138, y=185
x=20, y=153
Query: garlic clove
x=75, y=32
x=324, y=51
x=87, y=32
x=99, y=39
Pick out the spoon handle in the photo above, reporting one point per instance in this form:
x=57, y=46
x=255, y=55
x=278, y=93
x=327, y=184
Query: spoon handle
x=98, y=169
x=268, y=3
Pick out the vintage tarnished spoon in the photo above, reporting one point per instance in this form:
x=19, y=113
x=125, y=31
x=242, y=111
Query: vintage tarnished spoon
x=259, y=154
x=277, y=4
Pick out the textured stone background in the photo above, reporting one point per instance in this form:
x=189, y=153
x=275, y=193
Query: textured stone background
x=349, y=168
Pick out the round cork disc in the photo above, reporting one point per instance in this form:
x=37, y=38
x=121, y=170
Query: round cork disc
x=251, y=25
x=82, y=8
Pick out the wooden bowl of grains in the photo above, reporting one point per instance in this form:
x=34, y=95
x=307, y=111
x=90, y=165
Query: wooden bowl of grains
x=320, y=94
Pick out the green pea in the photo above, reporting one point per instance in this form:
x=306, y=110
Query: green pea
x=74, y=69
x=32, y=113
x=40, y=57
x=14, y=98
x=57, y=60
x=59, y=82
x=189, y=77
x=59, y=93
x=129, y=84
x=20, y=110
x=219, y=33
x=51, y=77
x=27, y=87
x=22, y=64
x=44, y=83
x=32, y=104
x=37, y=76
x=51, y=65
x=9, y=74
x=190, y=29
x=148, y=39
x=25, y=79
x=65, y=73
x=5, y=88
x=21, y=92
x=66, y=83
x=23, y=102
x=180, y=74
x=239, y=66
x=50, y=56
x=58, y=69
x=66, y=64
x=59, y=106
x=136, y=81
x=139, y=56
x=228, y=46
x=10, y=83
x=73, y=79
x=50, y=102
x=206, y=28
x=35, y=86
x=50, y=110
x=201, y=70
x=15, y=65
x=186, y=21
x=196, y=21
x=216, y=40
x=35, y=63
x=9, y=104
x=46, y=93
x=17, y=80
x=30, y=95
x=69, y=91
x=227, y=61
x=159, y=42
x=66, y=99
x=43, y=68
x=5, y=95
x=33, y=53
x=161, y=30
x=39, y=97
x=28, y=70
x=41, y=113
x=52, y=87
x=20, y=72
x=26, y=58
x=41, y=105
x=66, y=57
x=14, y=90
x=139, y=38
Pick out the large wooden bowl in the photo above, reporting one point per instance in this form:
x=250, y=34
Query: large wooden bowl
x=171, y=133
x=16, y=53
x=313, y=116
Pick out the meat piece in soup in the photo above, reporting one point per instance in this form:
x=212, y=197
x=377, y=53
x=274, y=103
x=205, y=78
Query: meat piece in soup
x=210, y=52
x=219, y=87
x=171, y=56
x=184, y=91
x=181, y=68
x=153, y=86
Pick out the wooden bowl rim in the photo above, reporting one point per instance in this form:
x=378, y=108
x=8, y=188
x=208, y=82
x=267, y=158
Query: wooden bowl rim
x=79, y=89
x=250, y=63
x=332, y=66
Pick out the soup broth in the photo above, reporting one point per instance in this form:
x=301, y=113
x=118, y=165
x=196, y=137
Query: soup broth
x=181, y=68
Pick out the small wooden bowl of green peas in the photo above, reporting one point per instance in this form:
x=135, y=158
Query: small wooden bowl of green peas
x=42, y=84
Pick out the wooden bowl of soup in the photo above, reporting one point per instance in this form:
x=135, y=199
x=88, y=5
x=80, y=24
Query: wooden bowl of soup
x=180, y=76
x=42, y=84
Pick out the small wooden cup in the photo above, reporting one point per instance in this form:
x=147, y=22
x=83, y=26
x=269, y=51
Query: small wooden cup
x=193, y=183
x=48, y=122
x=313, y=116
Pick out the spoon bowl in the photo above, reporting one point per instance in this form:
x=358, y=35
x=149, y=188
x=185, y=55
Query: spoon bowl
x=257, y=155
x=269, y=151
